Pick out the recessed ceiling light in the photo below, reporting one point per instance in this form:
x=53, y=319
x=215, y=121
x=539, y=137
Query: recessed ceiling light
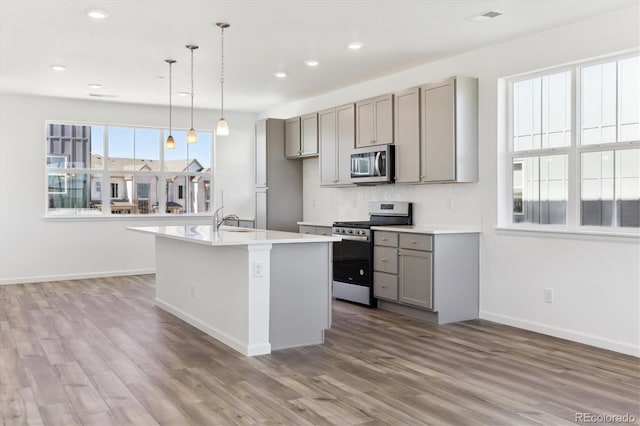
x=95, y=86
x=355, y=45
x=97, y=14
x=485, y=16
x=311, y=62
x=280, y=74
x=58, y=67
x=183, y=93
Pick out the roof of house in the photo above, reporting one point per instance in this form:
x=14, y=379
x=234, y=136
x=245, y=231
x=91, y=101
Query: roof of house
x=138, y=164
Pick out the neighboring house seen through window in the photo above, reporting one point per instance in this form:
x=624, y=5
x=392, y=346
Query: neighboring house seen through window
x=142, y=176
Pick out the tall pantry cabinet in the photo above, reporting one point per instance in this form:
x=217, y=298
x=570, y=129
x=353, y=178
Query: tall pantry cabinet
x=278, y=181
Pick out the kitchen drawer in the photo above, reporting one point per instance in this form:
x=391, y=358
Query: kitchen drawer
x=385, y=285
x=385, y=259
x=381, y=238
x=305, y=229
x=416, y=242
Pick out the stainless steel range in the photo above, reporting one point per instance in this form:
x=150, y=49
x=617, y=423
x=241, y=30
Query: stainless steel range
x=353, y=256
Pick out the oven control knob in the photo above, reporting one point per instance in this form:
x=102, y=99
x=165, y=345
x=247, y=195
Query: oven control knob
x=350, y=231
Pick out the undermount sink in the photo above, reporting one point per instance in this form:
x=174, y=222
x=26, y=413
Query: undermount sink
x=234, y=229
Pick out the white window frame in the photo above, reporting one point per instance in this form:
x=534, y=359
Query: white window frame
x=105, y=173
x=573, y=151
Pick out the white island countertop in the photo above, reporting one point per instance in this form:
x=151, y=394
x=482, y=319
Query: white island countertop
x=230, y=236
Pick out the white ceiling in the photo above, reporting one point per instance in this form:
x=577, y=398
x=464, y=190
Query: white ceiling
x=126, y=52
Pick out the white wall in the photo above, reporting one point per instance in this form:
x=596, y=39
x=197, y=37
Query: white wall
x=595, y=280
x=33, y=249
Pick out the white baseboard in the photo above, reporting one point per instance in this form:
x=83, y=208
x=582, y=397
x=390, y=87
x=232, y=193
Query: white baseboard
x=48, y=278
x=563, y=333
x=248, y=350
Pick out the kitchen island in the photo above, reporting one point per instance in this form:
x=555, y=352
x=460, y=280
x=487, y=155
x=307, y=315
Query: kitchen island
x=253, y=290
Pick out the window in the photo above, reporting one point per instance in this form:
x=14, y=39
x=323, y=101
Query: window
x=114, y=190
x=132, y=164
x=576, y=179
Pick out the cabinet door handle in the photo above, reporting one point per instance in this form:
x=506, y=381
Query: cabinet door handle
x=383, y=260
x=384, y=239
x=413, y=242
x=384, y=286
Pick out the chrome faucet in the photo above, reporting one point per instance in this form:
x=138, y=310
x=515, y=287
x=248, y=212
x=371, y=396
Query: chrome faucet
x=218, y=221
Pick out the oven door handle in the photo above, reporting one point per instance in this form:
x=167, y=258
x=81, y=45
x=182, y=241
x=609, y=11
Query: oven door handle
x=352, y=237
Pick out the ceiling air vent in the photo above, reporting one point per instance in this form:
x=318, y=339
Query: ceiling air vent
x=485, y=16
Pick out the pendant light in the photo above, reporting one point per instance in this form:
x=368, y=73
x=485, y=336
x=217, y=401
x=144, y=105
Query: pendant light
x=171, y=143
x=192, y=136
x=223, y=126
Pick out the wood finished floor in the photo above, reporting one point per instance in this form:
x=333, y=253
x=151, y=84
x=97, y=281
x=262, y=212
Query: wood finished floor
x=98, y=352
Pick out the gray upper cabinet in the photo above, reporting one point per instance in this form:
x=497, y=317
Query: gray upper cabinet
x=292, y=137
x=449, y=130
x=374, y=121
x=309, y=135
x=336, y=133
x=407, y=135
x=328, y=146
x=301, y=136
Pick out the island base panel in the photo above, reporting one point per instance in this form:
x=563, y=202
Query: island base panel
x=300, y=294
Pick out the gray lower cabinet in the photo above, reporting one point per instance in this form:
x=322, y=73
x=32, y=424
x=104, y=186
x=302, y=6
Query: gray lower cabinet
x=315, y=230
x=415, y=278
x=430, y=277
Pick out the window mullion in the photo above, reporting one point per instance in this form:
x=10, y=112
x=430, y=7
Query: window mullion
x=106, y=178
x=573, y=177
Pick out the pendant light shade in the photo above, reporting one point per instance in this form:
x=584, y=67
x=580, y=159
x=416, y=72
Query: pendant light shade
x=170, y=143
x=223, y=126
x=192, y=135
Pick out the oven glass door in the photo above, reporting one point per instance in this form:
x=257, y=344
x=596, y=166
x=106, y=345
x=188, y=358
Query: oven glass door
x=352, y=262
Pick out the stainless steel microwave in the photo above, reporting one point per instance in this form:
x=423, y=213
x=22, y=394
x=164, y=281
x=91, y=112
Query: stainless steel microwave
x=374, y=164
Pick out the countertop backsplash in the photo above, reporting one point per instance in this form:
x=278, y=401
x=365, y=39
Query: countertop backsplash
x=442, y=205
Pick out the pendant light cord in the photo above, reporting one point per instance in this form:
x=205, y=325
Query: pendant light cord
x=192, y=88
x=170, y=129
x=222, y=74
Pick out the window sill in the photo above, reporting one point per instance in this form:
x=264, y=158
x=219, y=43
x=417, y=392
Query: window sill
x=586, y=234
x=126, y=217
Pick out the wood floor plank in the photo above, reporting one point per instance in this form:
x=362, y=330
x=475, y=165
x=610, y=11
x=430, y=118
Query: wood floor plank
x=99, y=352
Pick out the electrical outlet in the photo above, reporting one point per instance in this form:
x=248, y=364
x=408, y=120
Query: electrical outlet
x=258, y=269
x=548, y=295
x=192, y=289
x=450, y=203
